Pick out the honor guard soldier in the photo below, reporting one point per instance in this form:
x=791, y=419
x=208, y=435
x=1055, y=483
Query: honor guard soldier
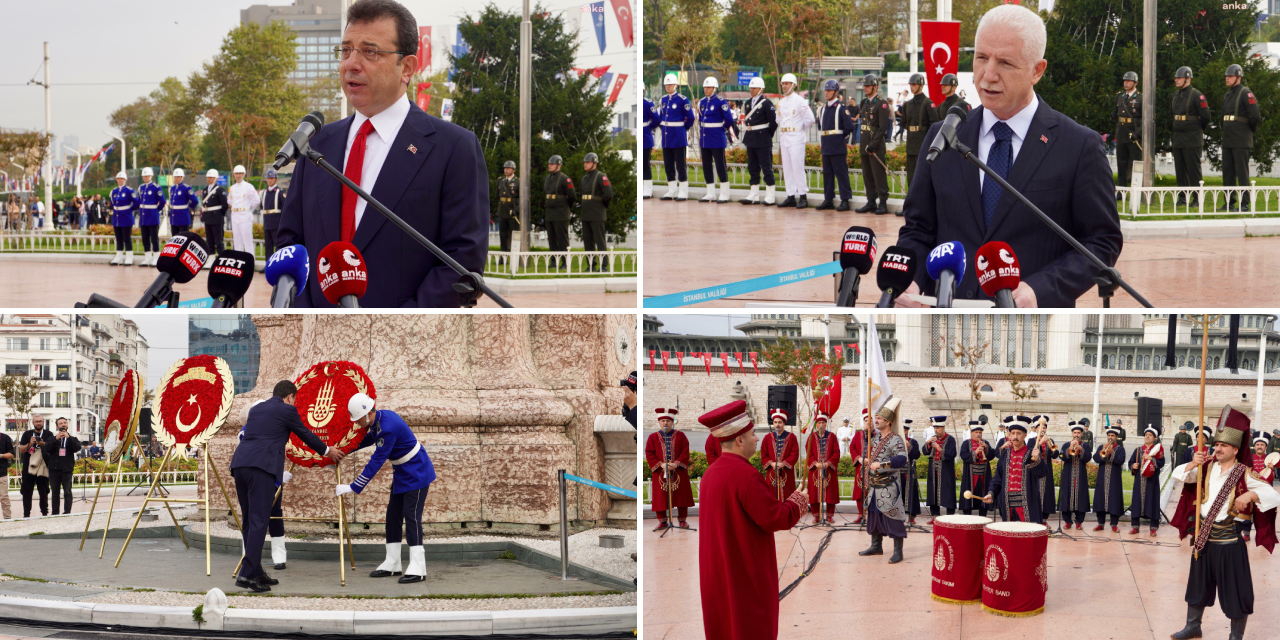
x=508, y=199
x=948, y=86
x=213, y=212
x=151, y=202
x=835, y=126
x=596, y=195
x=1191, y=116
x=182, y=199
x=761, y=123
x=918, y=115
x=650, y=123
x=1240, y=118
x=244, y=199
x=1127, y=112
x=560, y=196
x=675, y=115
x=874, y=115
x=713, y=120
x=794, y=120
x=1181, y=442
x=272, y=204
x=124, y=201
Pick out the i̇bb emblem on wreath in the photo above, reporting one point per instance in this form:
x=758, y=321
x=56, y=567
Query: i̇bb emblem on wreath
x=323, y=393
x=122, y=418
x=192, y=401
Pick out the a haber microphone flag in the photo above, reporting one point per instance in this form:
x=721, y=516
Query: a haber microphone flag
x=940, y=47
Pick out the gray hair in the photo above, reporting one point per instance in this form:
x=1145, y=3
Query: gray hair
x=1024, y=22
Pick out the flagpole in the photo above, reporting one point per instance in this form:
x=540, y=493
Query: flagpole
x=1097, y=379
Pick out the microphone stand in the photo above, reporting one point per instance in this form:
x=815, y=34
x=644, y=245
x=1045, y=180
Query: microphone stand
x=469, y=285
x=1107, y=277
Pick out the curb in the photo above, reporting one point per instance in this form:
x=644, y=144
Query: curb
x=103, y=259
x=780, y=193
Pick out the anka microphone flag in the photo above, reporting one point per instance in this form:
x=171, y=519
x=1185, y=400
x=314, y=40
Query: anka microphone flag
x=940, y=46
x=617, y=88
x=680, y=361
x=622, y=11
x=665, y=355
x=754, y=365
x=1170, y=360
x=597, y=21
x=877, y=376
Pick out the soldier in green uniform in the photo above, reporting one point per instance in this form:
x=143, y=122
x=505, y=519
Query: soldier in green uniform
x=1240, y=118
x=558, y=188
x=948, y=84
x=873, y=113
x=917, y=115
x=1181, y=442
x=596, y=195
x=1087, y=438
x=1127, y=112
x=1191, y=116
x=508, y=205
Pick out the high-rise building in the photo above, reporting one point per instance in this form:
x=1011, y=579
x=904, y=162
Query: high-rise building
x=234, y=338
x=317, y=24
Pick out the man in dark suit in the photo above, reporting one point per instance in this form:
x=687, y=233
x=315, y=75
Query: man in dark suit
x=258, y=468
x=1056, y=163
x=60, y=456
x=430, y=172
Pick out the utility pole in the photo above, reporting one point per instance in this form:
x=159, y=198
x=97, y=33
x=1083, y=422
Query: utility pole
x=46, y=168
x=1148, y=92
x=526, y=92
x=342, y=27
x=915, y=34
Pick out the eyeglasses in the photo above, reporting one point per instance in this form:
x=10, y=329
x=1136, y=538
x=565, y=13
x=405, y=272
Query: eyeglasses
x=370, y=54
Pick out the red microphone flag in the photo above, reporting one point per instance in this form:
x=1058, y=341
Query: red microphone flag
x=342, y=271
x=940, y=46
x=997, y=267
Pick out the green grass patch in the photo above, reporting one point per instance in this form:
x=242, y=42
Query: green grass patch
x=506, y=555
x=16, y=577
x=37, y=533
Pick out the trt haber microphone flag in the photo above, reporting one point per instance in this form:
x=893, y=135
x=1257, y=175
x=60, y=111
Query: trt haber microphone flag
x=622, y=11
x=680, y=361
x=424, y=49
x=652, y=366
x=597, y=21
x=725, y=358
x=877, y=376
x=754, y=365
x=940, y=48
x=617, y=88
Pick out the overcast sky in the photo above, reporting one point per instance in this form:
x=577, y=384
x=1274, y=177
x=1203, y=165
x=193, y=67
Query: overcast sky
x=702, y=324
x=166, y=335
x=134, y=45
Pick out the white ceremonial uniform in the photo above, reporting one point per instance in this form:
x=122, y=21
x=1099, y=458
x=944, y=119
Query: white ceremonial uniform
x=1268, y=499
x=243, y=199
x=794, y=120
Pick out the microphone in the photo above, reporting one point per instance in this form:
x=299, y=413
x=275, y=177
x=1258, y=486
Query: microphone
x=287, y=271
x=998, y=272
x=311, y=123
x=180, y=260
x=342, y=272
x=230, y=278
x=857, y=254
x=955, y=117
x=946, y=265
x=896, y=272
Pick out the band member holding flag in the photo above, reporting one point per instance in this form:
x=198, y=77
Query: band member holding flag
x=976, y=454
x=1146, y=463
x=667, y=453
x=778, y=454
x=886, y=461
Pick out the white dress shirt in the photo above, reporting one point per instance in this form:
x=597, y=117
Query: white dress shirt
x=1020, y=122
x=386, y=126
x=1268, y=499
x=242, y=198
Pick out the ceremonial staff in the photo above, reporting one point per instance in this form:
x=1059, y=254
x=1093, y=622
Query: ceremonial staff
x=1203, y=323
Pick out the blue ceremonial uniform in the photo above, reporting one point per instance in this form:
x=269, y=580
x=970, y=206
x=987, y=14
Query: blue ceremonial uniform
x=675, y=117
x=124, y=201
x=715, y=118
x=151, y=201
x=650, y=122
x=835, y=127
x=395, y=440
x=181, y=201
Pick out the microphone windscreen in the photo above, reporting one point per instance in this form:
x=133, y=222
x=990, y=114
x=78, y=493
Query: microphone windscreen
x=997, y=268
x=342, y=271
x=948, y=255
x=231, y=275
x=316, y=119
x=183, y=256
x=959, y=111
x=897, y=269
x=858, y=250
x=291, y=260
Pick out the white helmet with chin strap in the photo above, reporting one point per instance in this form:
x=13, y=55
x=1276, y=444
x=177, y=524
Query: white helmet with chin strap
x=359, y=406
x=756, y=83
x=790, y=77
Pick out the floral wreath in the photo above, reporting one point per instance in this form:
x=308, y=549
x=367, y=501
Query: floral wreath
x=122, y=418
x=323, y=392
x=177, y=394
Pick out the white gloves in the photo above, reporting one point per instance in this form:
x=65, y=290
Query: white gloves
x=342, y=489
x=287, y=476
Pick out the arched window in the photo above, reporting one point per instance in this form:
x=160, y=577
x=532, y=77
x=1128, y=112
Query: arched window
x=986, y=388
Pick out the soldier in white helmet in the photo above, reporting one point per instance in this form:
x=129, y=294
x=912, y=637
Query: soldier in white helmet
x=124, y=202
x=760, y=124
x=244, y=199
x=213, y=213
x=151, y=199
x=182, y=204
x=412, y=475
x=794, y=119
x=675, y=113
x=714, y=120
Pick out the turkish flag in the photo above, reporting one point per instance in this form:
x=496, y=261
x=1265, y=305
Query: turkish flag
x=424, y=98
x=622, y=9
x=706, y=362
x=665, y=355
x=652, y=367
x=754, y=365
x=940, y=47
x=725, y=358
x=424, y=48
x=617, y=88
x=680, y=361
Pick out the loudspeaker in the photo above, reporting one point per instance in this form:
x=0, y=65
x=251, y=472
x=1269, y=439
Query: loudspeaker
x=783, y=396
x=1150, y=411
x=144, y=422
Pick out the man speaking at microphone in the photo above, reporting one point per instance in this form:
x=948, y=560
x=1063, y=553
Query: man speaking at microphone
x=1056, y=163
x=429, y=172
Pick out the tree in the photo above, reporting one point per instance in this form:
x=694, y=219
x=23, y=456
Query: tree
x=27, y=148
x=794, y=363
x=569, y=115
x=19, y=391
x=1021, y=390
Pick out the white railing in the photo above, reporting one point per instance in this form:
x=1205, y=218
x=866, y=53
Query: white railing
x=131, y=478
x=740, y=177
x=1143, y=202
x=539, y=239
x=577, y=264
x=85, y=243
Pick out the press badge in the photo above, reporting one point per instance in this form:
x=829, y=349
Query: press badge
x=62, y=452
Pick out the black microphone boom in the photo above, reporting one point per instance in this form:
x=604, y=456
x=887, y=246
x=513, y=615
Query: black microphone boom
x=311, y=123
x=947, y=134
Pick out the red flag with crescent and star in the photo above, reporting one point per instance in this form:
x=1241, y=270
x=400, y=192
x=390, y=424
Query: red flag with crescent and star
x=622, y=10
x=193, y=401
x=323, y=393
x=940, y=53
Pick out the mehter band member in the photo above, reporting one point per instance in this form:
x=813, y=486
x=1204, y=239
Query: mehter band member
x=887, y=460
x=1146, y=463
x=1073, y=495
x=1108, y=497
x=940, y=449
x=976, y=454
x=667, y=453
x=1013, y=487
x=778, y=454
x=822, y=450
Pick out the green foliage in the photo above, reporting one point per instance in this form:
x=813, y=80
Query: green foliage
x=19, y=392
x=569, y=116
x=197, y=614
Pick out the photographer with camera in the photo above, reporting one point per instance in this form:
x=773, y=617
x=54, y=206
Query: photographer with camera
x=60, y=457
x=35, y=475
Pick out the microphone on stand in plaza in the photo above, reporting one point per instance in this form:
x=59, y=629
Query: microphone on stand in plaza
x=287, y=271
x=857, y=254
x=946, y=266
x=342, y=272
x=311, y=123
x=998, y=272
x=230, y=278
x=179, y=261
x=895, y=273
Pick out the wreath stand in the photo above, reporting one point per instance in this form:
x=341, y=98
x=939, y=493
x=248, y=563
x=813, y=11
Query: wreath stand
x=208, y=464
x=133, y=441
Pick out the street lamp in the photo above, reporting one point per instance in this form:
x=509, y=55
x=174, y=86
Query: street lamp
x=123, y=164
x=77, y=167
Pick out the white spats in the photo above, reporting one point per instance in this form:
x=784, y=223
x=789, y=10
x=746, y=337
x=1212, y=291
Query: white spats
x=417, y=561
x=393, y=563
x=278, y=550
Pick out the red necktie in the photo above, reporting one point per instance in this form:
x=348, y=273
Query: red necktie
x=355, y=166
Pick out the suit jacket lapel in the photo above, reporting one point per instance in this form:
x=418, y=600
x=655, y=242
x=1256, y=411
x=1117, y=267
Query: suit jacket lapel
x=968, y=134
x=397, y=172
x=332, y=144
x=1033, y=152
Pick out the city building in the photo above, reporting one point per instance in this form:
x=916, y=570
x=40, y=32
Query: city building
x=233, y=338
x=317, y=23
x=41, y=346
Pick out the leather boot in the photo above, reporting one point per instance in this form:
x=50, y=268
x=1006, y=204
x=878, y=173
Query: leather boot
x=1237, y=628
x=883, y=208
x=875, y=549
x=866, y=208
x=803, y=202
x=1192, y=630
x=825, y=205
x=789, y=202
x=844, y=205
x=897, y=551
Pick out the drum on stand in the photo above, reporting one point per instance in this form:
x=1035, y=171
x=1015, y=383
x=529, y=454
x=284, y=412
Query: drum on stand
x=957, y=558
x=1015, y=569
